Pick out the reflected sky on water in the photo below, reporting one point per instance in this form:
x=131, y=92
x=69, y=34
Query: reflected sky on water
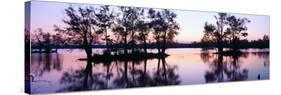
x=62, y=71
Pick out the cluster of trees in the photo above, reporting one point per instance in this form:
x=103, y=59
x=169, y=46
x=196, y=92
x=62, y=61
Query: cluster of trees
x=44, y=41
x=127, y=30
x=228, y=30
x=126, y=26
x=243, y=44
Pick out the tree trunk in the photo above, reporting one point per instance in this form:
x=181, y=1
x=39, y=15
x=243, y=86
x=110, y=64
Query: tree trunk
x=88, y=51
x=220, y=48
x=40, y=48
x=164, y=43
x=219, y=42
x=125, y=45
x=145, y=45
x=235, y=45
x=133, y=42
x=158, y=45
x=106, y=39
x=88, y=69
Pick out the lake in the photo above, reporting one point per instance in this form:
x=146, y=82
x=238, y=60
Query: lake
x=62, y=71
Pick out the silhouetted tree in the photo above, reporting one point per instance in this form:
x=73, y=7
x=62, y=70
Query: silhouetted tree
x=172, y=28
x=227, y=28
x=38, y=39
x=143, y=27
x=105, y=20
x=236, y=30
x=135, y=14
x=209, y=35
x=217, y=32
x=81, y=28
x=43, y=40
x=164, y=26
x=126, y=25
x=47, y=42
x=265, y=41
x=121, y=36
x=57, y=40
x=156, y=23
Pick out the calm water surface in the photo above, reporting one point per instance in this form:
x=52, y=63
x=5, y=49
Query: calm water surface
x=59, y=72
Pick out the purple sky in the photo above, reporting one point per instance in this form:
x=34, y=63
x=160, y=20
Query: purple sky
x=45, y=14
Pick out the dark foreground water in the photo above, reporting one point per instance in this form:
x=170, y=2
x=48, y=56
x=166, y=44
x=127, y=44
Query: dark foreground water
x=60, y=72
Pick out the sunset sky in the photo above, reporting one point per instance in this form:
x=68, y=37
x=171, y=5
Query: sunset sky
x=46, y=14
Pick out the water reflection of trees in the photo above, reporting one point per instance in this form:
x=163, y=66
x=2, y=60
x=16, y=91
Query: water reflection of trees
x=165, y=75
x=120, y=74
x=207, y=57
x=45, y=62
x=226, y=68
x=263, y=55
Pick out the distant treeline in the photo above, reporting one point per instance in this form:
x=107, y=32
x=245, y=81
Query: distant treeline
x=260, y=43
x=242, y=45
